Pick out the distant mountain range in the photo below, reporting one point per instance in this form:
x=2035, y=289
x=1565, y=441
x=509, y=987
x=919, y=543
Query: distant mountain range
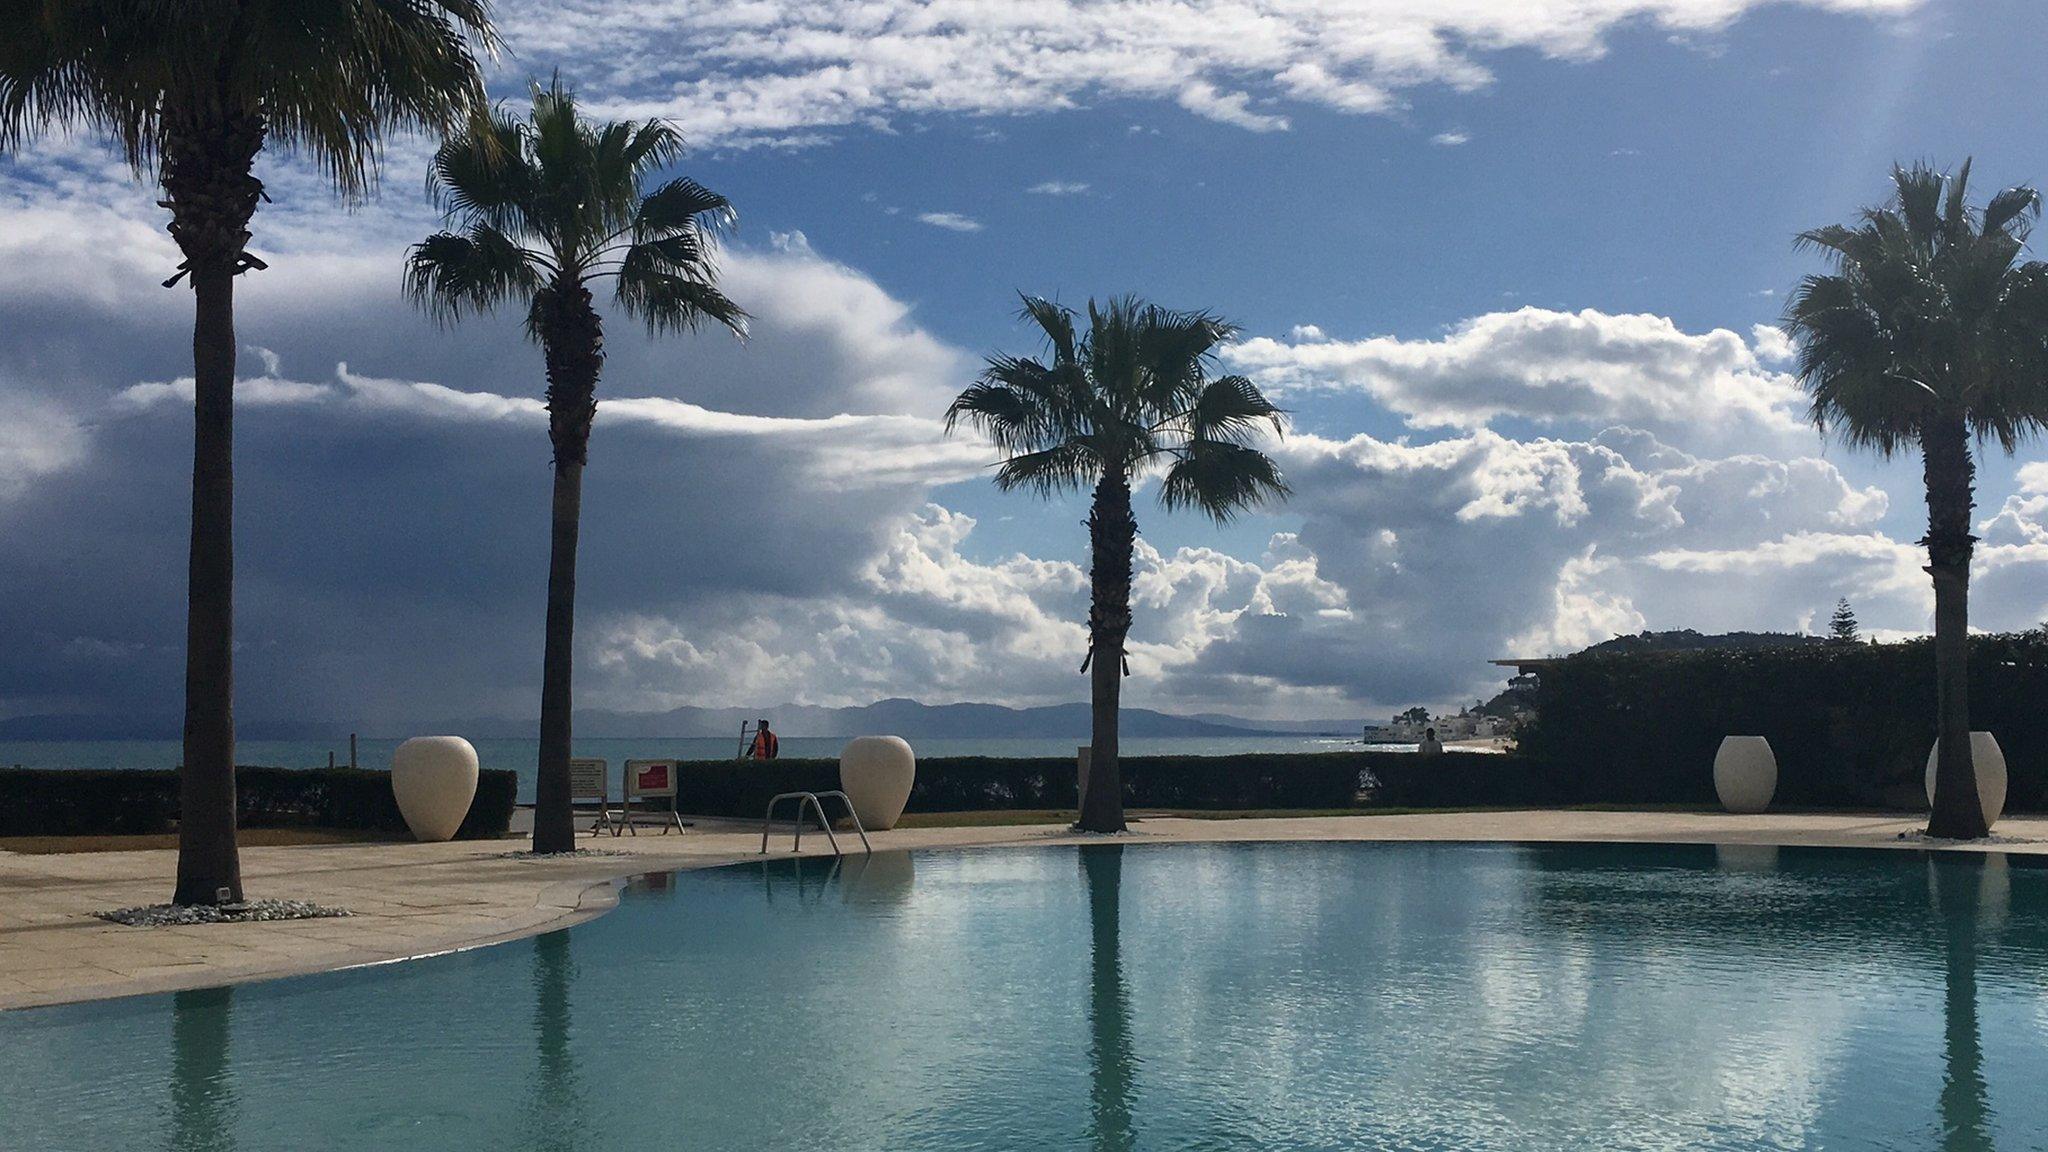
x=900, y=717
x=1291, y=727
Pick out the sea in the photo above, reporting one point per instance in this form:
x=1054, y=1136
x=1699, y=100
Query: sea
x=521, y=755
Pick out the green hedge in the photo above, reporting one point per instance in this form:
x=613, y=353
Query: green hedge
x=1246, y=781
x=65, y=802
x=1850, y=724
x=1459, y=780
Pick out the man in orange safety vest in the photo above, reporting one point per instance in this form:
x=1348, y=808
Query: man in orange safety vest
x=766, y=746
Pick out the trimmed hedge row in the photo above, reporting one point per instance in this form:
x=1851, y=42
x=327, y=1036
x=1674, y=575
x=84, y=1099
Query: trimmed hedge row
x=1459, y=780
x=1850, y=724
x=66, y=802
x=1245, y=781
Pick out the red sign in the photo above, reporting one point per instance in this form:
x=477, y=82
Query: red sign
x=653, y=778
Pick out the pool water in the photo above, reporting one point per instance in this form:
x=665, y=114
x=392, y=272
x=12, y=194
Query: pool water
x=1312, y=996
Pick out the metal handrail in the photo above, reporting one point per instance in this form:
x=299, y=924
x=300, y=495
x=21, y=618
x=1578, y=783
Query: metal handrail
x=796, y=823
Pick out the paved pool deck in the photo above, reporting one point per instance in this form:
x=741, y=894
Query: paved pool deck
x=415, y=900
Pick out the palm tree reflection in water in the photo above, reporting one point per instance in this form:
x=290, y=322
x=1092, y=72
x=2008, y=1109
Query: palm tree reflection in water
x=1110, y=1060
x=1966, y=888
x=202, y=1099
x=556, y=1114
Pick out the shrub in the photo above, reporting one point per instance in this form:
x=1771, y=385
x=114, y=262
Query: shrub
x=57, y=802
x=1243, y=781
x=1850, y=723
x=1459, y=780
x=64, y=802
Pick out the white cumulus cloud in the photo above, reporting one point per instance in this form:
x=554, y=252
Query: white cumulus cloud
x=1545, y=366
x=781, y=72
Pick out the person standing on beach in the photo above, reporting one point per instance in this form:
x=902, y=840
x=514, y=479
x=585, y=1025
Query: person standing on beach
x=766, y=746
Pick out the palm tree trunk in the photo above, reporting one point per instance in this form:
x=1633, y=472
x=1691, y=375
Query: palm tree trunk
x=554, y=827
x=1112, y=535
x=208, y=862
x=573, y=340
x=208, y=159
x=1951, y=481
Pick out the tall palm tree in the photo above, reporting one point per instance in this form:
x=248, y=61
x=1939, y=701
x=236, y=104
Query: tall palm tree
x=192, y=92
x=1928, y=332
x=1132, y=394
x=548, y=206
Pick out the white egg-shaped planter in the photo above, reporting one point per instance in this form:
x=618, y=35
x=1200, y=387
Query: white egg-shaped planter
x=1989, y=760
x=876, y=773
x=1745, y=773
x=434, y=779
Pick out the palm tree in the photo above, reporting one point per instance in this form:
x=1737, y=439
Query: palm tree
x=1132, y=394
x=1929, y=331
x=192, y=92
x=547, y=207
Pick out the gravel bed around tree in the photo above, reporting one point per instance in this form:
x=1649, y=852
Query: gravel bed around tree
x=163, y=915
x=524, y=854
x=1920, y=836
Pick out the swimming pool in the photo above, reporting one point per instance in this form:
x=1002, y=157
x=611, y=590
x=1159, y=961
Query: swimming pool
x=1279, y=996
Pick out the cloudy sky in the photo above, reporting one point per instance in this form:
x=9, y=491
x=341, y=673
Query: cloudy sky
x=1513, y=265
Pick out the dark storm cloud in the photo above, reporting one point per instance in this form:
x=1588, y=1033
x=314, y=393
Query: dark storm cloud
x=392, y=535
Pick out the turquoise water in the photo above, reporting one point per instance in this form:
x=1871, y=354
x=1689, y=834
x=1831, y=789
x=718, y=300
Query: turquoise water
x=521, y=755
x=1135, y=997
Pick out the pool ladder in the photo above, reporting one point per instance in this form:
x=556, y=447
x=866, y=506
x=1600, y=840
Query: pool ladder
x=812, y=801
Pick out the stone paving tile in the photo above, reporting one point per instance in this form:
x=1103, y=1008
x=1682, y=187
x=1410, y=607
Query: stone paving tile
x=59, y=979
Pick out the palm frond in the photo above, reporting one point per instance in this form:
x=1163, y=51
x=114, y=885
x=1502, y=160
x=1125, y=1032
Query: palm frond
x=1175, y=350
x=679, y=206
x=1059, y=392
x=622, y=154
x=480, y=174
x=1056, y=322
x=1221, y=479
x=2012, y=210
x=1061, y=468
x=330, y=79
x=1917, y=193
x=1232, y=408
x=1955, y=211
x=1013, y=419
x=452, y=275
x=668, y=301
x=652, y=146
x=1839, y=241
